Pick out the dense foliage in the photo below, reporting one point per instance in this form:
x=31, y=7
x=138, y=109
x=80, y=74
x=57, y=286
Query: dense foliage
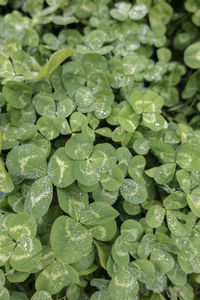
x=100, y=150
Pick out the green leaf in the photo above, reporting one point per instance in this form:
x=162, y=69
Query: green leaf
x=62, y=125
x=102, y=104
x=73, y=76
x=101, y=295
x=192, y=56
x=162, y=174
x=130, y=208
x=103, y=157
x=175, y=200
x=136, y=167
x=121, y=11
x=146, y=246
x=79, y=146
x=157, y=297
x=84, y=100
x=65, y=107
x=70, y=236
x=4, y=294
x=104, y=232
x=94, y=61
x=163, y=152
x=39, y=197
x=78, y=121
x=72, y=200
x=131, y=230
x=44, y=104
x=141, y=146
x=47, y=128
x=26, y=254
x=17, y=94
x=193, y=201
x=113, y=179
x=2, y=279
x=17, y=276
x=157, y=284
x=162, y=260
x=53, y=278
x=155, y=216
x=55, y=60
x=60, y=169
x=98, y=213
x=149, y=103
x=120, y=252
x=128, y=119
x=133, y=191
x=41, y=295
x=176, y=227
x=138, y=12
x=100, y=194
x=160, y=14
x=22, y=62
x=177, y=276
x=6, y=184
x=85, y=261
x=184, y=180
x=22, y=224
x=188, y=157
x=104, y=131
x=154, y=121
x=73, y=292
x=86, y=173
x=123, y=285
x=26, y=161
x=146, y=268
x=103, y=253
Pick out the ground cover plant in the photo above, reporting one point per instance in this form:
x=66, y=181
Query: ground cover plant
x=100, y=150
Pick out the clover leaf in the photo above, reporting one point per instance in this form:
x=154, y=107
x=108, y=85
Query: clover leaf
x=123, y=284
x=60, y=169
x=72, y=237
x=26, y=161
x=191, y=56
x=17, y=94
x=39, y=197
x=133, y=191
x=77, y=200
x=155, y=216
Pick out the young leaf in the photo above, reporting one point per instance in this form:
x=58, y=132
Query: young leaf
x=55, y=60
